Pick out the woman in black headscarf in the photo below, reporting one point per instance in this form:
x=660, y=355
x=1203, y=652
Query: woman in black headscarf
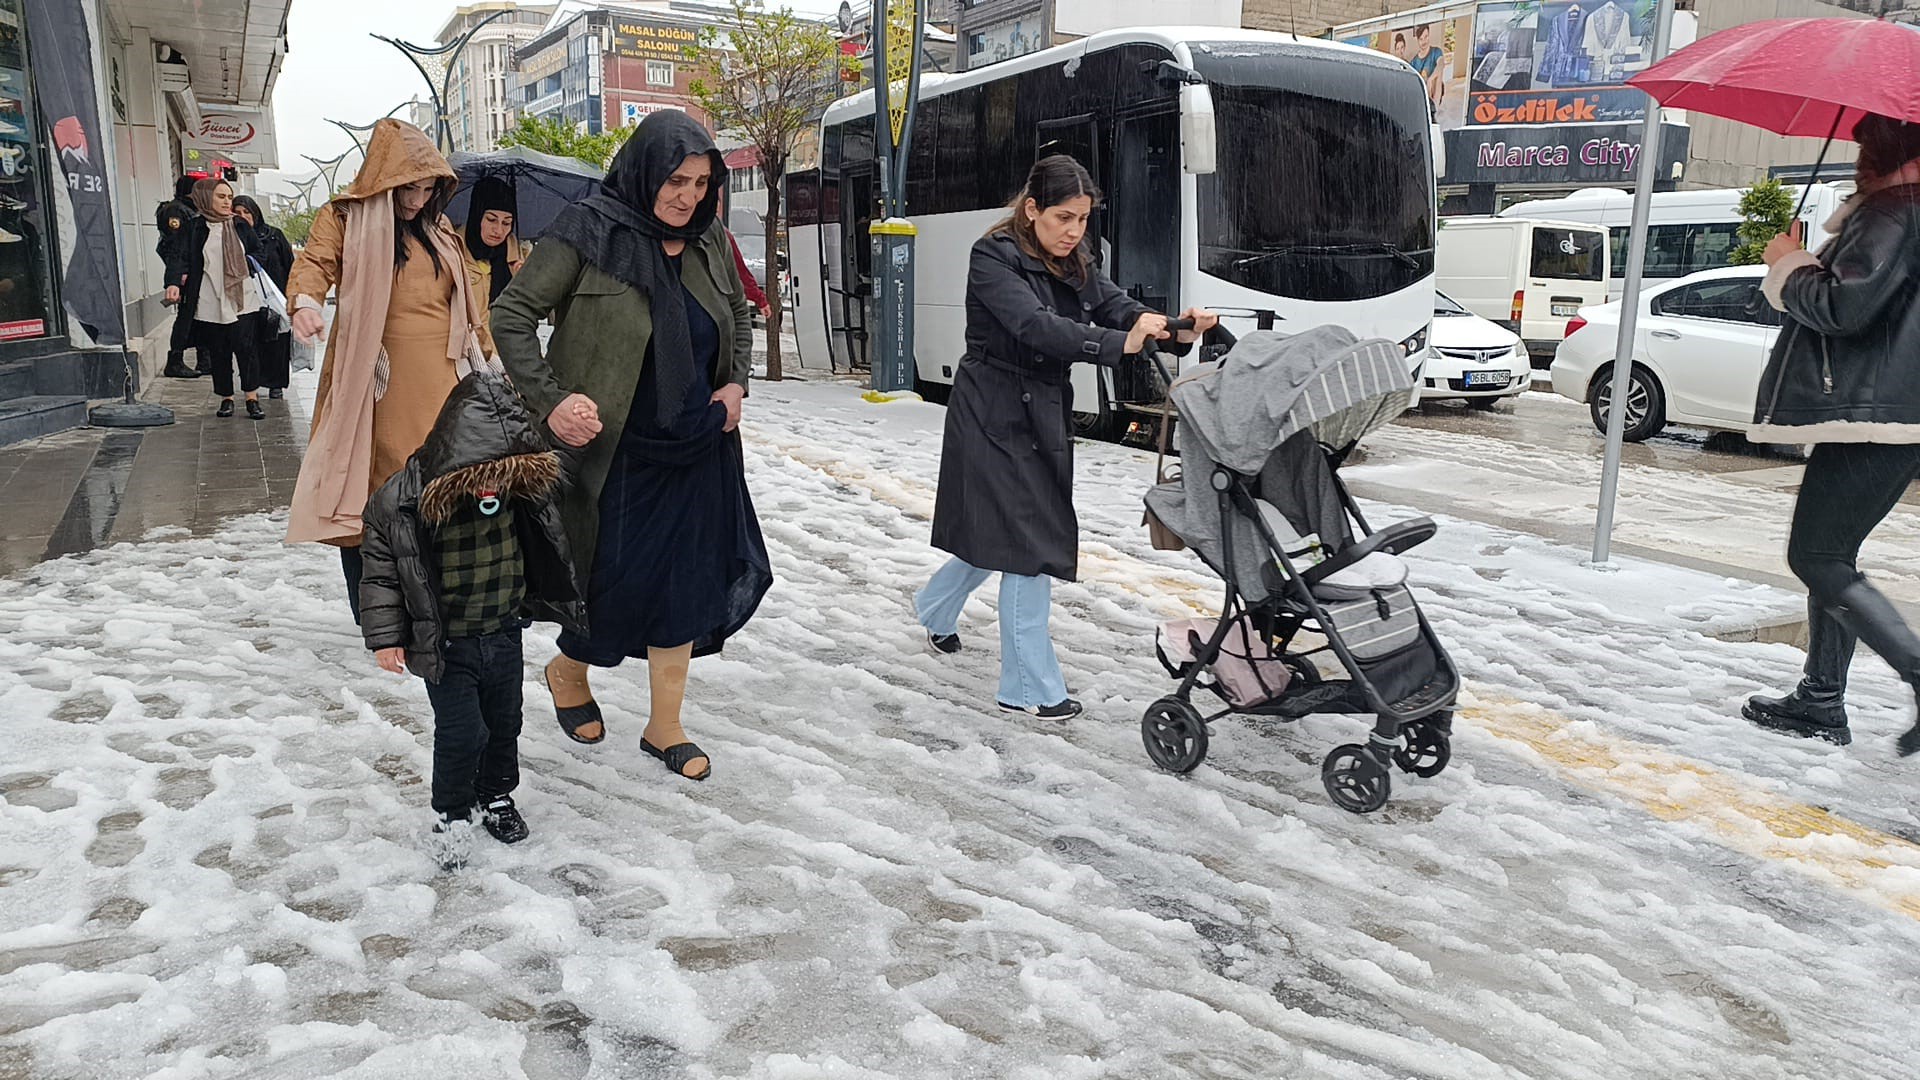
x=646, y=372
x=276, y=258
x=493, y=254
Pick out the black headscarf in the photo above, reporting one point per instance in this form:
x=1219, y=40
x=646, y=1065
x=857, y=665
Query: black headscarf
x=616, y=231
x=491, y=193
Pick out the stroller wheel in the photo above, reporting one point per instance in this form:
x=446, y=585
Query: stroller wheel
x=1425, y=750
x=1303, y=670
x=1174, y=734
x=1355, y=779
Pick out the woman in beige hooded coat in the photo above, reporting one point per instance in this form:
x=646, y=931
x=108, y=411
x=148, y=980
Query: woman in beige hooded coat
x=406, y=315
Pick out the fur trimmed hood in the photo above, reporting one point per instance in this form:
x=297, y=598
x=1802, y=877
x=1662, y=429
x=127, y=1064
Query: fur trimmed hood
x=485, y=440
x=532, y=477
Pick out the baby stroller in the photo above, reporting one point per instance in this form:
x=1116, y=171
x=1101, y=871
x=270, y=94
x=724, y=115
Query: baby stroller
x=1262, y=433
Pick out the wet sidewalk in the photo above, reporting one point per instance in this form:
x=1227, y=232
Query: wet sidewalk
x=93, y=487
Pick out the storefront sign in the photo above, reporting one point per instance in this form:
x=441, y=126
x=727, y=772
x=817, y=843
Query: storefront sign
x=1560, y=154
x=652, y=41
x=63, y=67
x=1003, y=42
x=632, y=112
x=242, y=136
x=1500, y=62
x=543, y=64
x=1557, y=107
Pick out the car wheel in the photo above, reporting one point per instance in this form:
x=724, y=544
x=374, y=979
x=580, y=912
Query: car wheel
x=934, y=392
x=1484, y=404
x=1646, y=403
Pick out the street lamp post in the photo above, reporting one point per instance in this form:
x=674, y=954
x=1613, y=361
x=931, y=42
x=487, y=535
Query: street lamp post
x=354, y=131
x=442, y=59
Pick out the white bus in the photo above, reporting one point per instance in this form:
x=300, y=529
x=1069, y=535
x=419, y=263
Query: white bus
x=1261, y=175
x=1687, y=231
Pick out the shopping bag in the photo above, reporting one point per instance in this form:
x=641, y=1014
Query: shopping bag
x=274, y=301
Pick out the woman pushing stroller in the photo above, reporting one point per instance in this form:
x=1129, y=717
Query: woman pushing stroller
x=1037, y=303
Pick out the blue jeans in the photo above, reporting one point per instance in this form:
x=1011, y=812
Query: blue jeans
x=1029, y=670
x=476, y=721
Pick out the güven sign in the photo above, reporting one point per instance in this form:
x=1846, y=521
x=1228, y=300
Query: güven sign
x=245, y=136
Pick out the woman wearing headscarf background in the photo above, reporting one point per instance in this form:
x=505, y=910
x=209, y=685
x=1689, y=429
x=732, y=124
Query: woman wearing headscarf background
x=220, y=295
x=646, y=370
x=493, y=253
x=276, y=258
x=405, y=316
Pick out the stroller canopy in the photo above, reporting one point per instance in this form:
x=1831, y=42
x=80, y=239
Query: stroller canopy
x=1273, y=386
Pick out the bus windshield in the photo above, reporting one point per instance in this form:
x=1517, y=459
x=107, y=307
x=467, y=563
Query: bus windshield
x=1324, y=187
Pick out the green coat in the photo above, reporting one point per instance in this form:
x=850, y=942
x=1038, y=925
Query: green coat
x=599, y=347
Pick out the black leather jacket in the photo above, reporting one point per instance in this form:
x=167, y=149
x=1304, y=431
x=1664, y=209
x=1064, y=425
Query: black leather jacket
x=1847, y=365
x=484, y=438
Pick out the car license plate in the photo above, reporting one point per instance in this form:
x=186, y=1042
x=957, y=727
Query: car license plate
x=1566, y=311
x=1488, y=378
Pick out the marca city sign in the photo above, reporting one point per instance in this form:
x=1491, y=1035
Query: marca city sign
x=1556, y=154
x=1602, y=152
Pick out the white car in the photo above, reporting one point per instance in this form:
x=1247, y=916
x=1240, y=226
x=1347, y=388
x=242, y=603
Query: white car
x=1701, y=344
x=1473, y=358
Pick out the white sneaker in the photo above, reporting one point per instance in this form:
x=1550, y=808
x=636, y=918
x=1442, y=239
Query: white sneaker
x=450, y=841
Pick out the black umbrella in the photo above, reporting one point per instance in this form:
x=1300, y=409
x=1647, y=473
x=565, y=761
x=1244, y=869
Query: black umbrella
x=543, y=185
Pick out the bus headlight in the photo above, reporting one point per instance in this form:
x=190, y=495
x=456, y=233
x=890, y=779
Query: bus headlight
x=1415, y=344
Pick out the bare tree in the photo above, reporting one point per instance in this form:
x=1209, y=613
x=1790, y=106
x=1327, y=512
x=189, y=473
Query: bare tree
x=766, y=77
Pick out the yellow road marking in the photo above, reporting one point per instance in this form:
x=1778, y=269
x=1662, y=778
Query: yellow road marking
x=1733, y=809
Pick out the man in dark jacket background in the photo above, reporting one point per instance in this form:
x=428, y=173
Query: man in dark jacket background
x=174, y=219
x=1845, y=375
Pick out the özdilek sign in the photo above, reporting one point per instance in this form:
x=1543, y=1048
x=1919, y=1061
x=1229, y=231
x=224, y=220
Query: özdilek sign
x=1556, y=154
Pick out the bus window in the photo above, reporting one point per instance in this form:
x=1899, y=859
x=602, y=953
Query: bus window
x=1678, y=250
x=1324, y=189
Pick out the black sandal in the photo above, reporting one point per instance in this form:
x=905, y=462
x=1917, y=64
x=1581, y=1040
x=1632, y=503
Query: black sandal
x=677, y=756
x=573, y=718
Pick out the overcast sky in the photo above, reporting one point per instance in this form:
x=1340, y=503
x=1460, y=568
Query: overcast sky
x=334, y=71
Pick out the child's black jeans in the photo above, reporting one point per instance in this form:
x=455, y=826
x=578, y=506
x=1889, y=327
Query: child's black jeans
x=476, y=721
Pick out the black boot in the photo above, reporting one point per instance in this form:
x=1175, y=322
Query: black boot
x=1867, y=613
x=177, y=367
x=1817, y=707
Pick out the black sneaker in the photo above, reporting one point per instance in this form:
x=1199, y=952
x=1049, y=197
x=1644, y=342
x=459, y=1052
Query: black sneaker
x=176, y=369
x=503, y=821
x=225, y=410
x=944, y=644
x=276, y=393
x=255, y=410
x=1065, y=710
x=450, y=841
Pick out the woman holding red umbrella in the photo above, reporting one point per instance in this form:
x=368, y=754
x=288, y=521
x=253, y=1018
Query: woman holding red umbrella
x=1845, y=375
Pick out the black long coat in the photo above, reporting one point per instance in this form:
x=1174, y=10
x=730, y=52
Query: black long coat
x=1006, y=462
x=1846, y=367
x=186, y=258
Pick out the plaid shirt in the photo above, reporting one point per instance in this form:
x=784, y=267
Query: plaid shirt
x=482, y=572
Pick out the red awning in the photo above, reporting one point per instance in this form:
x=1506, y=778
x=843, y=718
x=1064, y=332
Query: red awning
x=744, y=158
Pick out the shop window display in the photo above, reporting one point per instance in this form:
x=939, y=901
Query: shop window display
x=26, y=292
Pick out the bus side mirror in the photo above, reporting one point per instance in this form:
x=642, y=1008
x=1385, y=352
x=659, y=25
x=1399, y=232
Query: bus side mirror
x=1439, y=141
x=1198, y=147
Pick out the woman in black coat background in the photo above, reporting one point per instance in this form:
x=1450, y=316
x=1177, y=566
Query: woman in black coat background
x=1036, y=305
x=1845, y=376
x=276, y=258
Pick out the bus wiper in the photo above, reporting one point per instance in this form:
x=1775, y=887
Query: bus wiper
x=1381, y=248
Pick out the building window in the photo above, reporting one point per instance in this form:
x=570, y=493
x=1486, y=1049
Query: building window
x=660, y=73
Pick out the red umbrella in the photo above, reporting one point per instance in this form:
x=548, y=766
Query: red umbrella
x=1811, y=77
